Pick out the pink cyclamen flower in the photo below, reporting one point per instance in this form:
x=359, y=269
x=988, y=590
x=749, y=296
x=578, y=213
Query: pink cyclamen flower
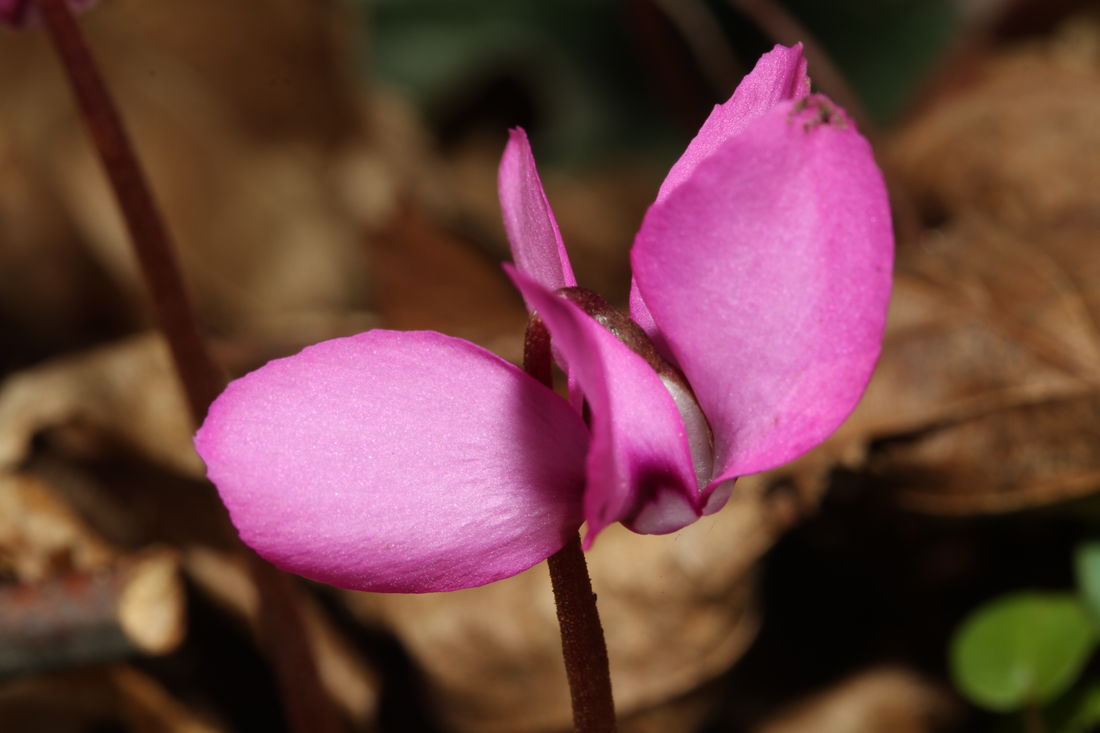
x=415, y=462
x=20, y=12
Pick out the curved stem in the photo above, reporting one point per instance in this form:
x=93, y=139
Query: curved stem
x=201, y=379
x=308, y=708
x=583, y=646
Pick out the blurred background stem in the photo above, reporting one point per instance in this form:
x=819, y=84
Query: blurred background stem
x=283, y=633
x=201, y=378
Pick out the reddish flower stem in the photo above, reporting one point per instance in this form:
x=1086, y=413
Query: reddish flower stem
x=582, y=641
x=201, y=379
x=283, y=634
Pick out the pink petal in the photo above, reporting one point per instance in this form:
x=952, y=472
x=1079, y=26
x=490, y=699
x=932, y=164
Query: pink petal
x=397, y=461
x=537, y=247
x=639, y=465
x=768, y=272
x=778, y=76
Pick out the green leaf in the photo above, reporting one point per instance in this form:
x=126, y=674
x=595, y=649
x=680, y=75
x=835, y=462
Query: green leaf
x=1087, y=562
x=1021, y=648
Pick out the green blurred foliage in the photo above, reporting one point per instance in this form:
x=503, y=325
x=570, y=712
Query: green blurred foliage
x=580, y=62
x=572, y=57
x=1087, y=567
x=883, y=46
x=1022, y=649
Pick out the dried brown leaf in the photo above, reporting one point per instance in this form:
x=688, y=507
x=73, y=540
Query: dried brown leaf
x=126, y=392
x=131, y=505
x=121, y=696
x=872, y=701
x=68, y=596
x=134, y=605
x=988, y=392
x=244, y=114
x=987, y=397
x=1021, y=143
x=41, y=536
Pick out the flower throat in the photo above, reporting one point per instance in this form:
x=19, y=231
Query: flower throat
x=623, y=328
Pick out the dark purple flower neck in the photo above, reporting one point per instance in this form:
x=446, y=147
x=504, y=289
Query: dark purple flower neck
x=626, y=330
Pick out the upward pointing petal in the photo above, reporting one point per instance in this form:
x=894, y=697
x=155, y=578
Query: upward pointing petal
x=537, y=247
x=778, y=76
x=397, y=461
x=768, y=273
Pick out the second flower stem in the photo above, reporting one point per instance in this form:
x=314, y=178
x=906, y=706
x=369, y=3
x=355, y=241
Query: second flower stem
x=308, y=707
x=583, y=646
x=201, y=379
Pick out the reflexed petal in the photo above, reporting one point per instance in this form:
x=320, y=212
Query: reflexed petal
x=397, y=461
x=639, y=464
x=768, y=272
x=778, y=76
x=529, y=222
